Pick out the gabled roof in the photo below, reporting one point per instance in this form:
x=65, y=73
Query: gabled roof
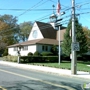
x=47, y=30
x=37, y=41
x=49, y=33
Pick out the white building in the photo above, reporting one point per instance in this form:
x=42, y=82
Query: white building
x=42, y=37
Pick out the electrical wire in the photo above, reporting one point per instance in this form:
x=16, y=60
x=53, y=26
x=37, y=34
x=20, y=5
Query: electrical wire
x=42, y=18
x=26, y=9
x=77, y=6
x=46, y=26
x=82, y=4
x=30, y=8
x=36, y=5
x=48, y=15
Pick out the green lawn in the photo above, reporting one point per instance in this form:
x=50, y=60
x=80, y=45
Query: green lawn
x=81, y=66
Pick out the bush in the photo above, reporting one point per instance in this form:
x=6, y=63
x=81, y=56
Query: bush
x=54, y=50
x=36, y=53
x=29, y=59
x=46, y=53
x=52, y=59
x=5, y=52
x=38, y=59
x=11, y=58
x=30, y=54
x=86, y=57
x=26, y=59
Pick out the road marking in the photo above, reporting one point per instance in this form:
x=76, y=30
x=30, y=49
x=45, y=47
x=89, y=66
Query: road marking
x=1, y=88
x=46, y=82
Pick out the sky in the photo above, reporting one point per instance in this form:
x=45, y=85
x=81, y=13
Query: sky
x=41, y=10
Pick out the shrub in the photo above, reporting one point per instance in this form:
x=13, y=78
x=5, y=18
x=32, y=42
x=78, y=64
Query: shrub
x=29, y=59
x=26, y=59
x=5, y=52
x=52, y=59
x=46, y=53
x=54, y=50
x=36, y=53
x=30, y=54
x=11, y=58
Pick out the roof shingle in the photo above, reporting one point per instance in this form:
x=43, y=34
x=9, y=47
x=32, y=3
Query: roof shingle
x=47, y=30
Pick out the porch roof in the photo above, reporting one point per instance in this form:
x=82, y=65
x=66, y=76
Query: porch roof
x=37, y=41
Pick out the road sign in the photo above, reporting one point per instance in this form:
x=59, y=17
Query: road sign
x=75, y=46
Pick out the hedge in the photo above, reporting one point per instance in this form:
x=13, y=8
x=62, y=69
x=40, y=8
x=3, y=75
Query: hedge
x=38, y=59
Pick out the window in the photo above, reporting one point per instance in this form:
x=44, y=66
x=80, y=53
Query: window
x=15, y=48
x=45, y=48
x=25, y=48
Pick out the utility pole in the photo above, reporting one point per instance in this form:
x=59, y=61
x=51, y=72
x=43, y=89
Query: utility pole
x=74, y=61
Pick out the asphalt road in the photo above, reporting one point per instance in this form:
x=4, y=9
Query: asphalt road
x=12, y=78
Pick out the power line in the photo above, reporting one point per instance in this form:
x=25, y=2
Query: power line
x=44, y=17
x=82, y=4
x=42, y=26
x=30, y=8
x=51, y=9
x=26, y=9
x=36, y=5
x=52, y=1
x=14, y=9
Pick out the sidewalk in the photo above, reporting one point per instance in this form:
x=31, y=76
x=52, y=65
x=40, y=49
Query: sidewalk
x=80, y=74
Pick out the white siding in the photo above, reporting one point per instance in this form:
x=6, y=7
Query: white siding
x=53, y=25
x=12, y=52
x=31, y=48
x=39, y=34
x=39, y=48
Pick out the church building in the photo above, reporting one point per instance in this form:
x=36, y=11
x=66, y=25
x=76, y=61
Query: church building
x=41, y=38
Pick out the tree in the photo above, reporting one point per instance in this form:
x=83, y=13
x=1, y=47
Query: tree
x=87, y=34
x=54, y=50
x=9, y=31
x=2, y=47
x=66, y=45
x=25, y=29
x=80, y=37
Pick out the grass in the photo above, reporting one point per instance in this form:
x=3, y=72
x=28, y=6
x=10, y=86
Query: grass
x=81, y=66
